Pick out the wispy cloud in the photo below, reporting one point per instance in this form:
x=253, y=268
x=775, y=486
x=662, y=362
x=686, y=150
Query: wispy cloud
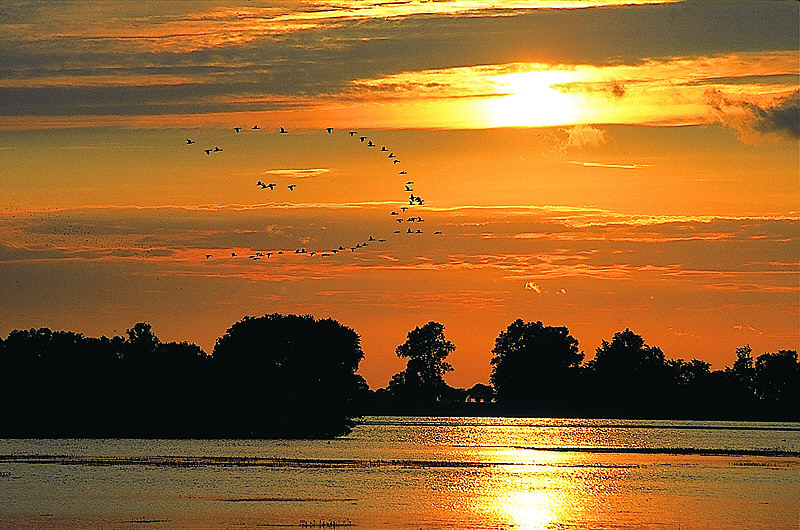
x=610, y=165
x=780, y=117
x=296, y=173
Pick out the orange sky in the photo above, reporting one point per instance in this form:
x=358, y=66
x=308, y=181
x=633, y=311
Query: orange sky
x=600, y=168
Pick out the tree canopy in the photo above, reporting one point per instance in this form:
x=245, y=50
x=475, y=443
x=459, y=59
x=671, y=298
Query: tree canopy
x=533, y=364
x=422, y=382
x=289, y=375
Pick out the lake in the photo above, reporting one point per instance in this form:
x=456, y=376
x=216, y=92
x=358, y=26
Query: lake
x=413, y=472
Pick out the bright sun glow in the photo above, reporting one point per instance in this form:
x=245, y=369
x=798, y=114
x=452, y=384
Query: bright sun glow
x=532, y=100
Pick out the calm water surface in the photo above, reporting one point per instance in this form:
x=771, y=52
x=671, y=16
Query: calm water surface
x=408, y=473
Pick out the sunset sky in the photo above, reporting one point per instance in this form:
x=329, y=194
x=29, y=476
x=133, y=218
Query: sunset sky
x=596, y=165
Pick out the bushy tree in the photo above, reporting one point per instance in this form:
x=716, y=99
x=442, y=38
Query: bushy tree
x=777, y=382
x=287, y=376
x=534, y=364
x=631, y=378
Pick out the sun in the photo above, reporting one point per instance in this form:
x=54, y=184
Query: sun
x=532, y=99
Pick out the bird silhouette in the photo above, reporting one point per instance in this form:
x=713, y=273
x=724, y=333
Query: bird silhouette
x=189, y=141
x=383, y=148
x=208, y=256
x=370, y=144
x=237, y=129
x=256, y=127
x=208, y=151
x=395, y=161
x=217, y=149
x=362, y=138
x=408, y=188
x=233, y=254
x=291, y=187
x=403, y=173
x=391, y=155
x=283, y=131
x=353, y=133
x=329, y=129
x=438, y=232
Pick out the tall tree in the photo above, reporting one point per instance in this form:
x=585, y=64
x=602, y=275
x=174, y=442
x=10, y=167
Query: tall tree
x=422, y=382
x=534, y=364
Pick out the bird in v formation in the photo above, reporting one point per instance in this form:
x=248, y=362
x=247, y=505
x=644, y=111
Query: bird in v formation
x=414, y=200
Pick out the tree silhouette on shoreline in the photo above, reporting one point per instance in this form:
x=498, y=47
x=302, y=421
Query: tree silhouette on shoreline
x=534, y=364
x=295, y=376
x=422, y=382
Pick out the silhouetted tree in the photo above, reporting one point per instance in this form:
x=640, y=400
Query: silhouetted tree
x=287, y=376
x=534, y=365
x=777, y=382
x=630, y=377
x=422, y=382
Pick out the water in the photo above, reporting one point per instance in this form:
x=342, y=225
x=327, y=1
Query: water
x=409, y=473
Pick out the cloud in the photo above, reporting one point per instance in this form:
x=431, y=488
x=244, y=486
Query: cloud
x=782, y=119
x=296, y=173
x=583, y=136
x=531, y=286
x=608, y=165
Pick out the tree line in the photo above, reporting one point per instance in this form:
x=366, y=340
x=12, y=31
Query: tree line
x=538, y=370
x=296, y=376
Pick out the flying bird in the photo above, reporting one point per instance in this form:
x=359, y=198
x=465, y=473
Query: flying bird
x=329, y=129
x=383, y=148
x=233, y=254
x=283, y=131
x=189, y=141
x=391, y=155
x=353, y=133
x=370, y=144
x=256, y=127
x=208, y=151
x=237, y=129
x=208, y=256
x=403, y=173
x=362, y=138
x=291, y=187
x=217, y=149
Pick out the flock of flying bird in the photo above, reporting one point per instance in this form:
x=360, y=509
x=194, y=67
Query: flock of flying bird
x=413, y=201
